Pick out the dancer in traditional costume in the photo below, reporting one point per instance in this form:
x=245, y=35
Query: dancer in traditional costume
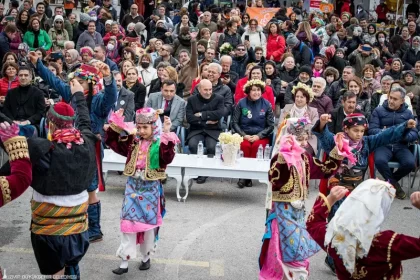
x=353, y=168
x=353, y=238
x=286, y=243
x=148, y=152
x=99, y=105
x=63, y=168
x=13, y=185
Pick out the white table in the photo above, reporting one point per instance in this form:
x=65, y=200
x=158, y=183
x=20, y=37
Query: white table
x=186, y=167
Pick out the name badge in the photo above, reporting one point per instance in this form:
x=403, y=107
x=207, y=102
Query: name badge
x=122, y=102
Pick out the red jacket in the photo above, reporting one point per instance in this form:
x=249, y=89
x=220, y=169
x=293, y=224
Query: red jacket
x=239, y=92
x=276, y=45
x=5, y=86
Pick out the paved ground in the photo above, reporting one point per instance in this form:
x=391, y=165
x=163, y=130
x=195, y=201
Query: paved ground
x=216, y=234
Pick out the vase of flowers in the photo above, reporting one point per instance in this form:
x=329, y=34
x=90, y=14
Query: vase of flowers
x=226, y=48
x=231, y=144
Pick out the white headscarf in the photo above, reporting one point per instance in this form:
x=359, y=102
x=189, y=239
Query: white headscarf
x=358, y=219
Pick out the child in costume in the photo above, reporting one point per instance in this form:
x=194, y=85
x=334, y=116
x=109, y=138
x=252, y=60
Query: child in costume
x=353, y=238
x=148, y=152
x=286, y=243
x=352, y=170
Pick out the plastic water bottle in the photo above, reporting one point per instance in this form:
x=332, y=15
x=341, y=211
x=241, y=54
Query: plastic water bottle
x=260, y=152
x=200, y=149
x=218, y=151
x=267, y=152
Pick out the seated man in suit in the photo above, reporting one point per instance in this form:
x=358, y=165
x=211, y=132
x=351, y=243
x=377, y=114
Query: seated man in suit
x=204, y=110
x=125, y=99
x=349, y=102
x=173, y=106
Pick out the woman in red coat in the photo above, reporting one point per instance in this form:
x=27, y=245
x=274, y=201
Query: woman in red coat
x=9, y=80
x=256, y=73
x=276, y=44
x=353, y=238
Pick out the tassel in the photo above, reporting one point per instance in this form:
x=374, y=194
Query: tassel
x=49, y=136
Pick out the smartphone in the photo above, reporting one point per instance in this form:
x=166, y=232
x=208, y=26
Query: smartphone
x=193, y=29
x=226, y=76
x=10, y=18
x=246, y=37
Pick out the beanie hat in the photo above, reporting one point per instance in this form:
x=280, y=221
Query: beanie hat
x=84, y=17
x=61, y=114
x=139, y=27
x=203, y=43
x=58, y=18
x=306, y=69
x=292, y=40
x=108, y=22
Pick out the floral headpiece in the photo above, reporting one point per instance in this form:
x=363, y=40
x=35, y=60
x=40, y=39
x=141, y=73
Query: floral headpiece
x=147, y=115
x=305, y=88
x=298, y=127
x=86, y=72
x=251, y=83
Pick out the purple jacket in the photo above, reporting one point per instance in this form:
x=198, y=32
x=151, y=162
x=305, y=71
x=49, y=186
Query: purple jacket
x=323, y=104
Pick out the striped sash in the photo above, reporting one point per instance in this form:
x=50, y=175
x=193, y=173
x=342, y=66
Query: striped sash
x=50, y=219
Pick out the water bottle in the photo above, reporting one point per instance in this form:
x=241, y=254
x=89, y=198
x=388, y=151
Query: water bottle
x=260, y=152
x=200, y=149
x=267, y=152
x=218, y=151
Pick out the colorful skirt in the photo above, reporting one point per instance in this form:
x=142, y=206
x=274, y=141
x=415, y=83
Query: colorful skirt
x=286, y=244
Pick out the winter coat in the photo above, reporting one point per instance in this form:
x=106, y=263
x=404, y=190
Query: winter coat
x=182, y=43
x=58, y=39
x=288, y=76
x=323, y=104
x=233, y=40
x=268, y=94
x=4, y=45
x=224, y=91
x=394, y=75
x=239, y=63
x=5, y=85
x=302, y=55
x=88, y=40
x=358, y=61
x=333, y=40
x=383, y=117
x=260, y=123
x=276, y=45
x=335, y=91
x=371, y=87
x=44, y=41
x=415, y=89
x=371, y=38
x=256, y=39
x=353, y=44
x=338, y=63
x=410, y=58
x=314, y=45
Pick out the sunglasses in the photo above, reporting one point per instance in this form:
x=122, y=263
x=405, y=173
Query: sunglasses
x=60, y=22
x=162, y=49
x=240, y=50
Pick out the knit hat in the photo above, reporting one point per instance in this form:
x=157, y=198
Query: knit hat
x=203, y=43
x=160, y=21
x=108, y=22
x=341, y=50
x=23, y=47
x=306, y=69
x=61, y=115
x=409, y=72
x=58, y=18
x=139, y=27
x=86, y=72
x=84, y=17
x=87, y=50
x=292, y=40
x=92, y=14
x=355, y=120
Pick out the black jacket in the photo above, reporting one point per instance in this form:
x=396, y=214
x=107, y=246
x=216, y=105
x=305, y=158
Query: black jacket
x=211, y=109
x=139, y=91
x=25, y=103
x=288, y=76
x=4, y=44
x=337, y=117
x=410, y=58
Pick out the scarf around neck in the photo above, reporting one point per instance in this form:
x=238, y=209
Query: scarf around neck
x=68, y=136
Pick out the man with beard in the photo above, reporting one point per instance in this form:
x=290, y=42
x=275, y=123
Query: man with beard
x=362, y=56
x=321, y=101
x=244, y=54
x=305, y=75
x=188, y=65
x=335, y=90
x=165, y=56
x=209, y=56
x=125, y=99
x=348, y=107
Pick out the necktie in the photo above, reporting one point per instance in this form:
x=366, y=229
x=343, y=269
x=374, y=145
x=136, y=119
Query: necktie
x=166, y=104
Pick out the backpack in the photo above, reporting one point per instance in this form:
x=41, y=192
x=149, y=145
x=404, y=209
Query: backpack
x=310, y=50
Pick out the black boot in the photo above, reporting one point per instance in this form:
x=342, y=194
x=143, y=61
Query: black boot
x=145, y=265
x=201, y=179
x=400, y=194
x=120, y=271
x=248, y=183
x=241, y=183
x=94, y=217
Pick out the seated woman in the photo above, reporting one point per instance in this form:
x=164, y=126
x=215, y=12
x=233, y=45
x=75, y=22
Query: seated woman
x=132, y=83
x=302, y=95
x=202, y=74
x=291, y=168
x=253, y=119
x=370, y=84
x=353, y=238
x=256, y=73
x=363, y=101
x=10, y=79
x=36, y=37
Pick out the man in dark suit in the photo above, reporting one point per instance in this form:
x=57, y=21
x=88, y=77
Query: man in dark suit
x=204, y=110
x=348, y=106
x=125, y=99
x=173, y=106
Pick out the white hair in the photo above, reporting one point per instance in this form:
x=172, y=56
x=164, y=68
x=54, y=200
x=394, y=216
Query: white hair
x=217, y=65
x=226, y=57
x=321, y=81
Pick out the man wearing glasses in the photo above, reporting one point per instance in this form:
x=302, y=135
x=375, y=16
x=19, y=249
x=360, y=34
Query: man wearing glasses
x=244, y=55
x=165, y=55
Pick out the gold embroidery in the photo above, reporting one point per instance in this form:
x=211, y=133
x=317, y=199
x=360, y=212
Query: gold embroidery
x=16, y=147
x=130, y=167
x=324, y=166
x=334, y=154
x=5, y=189
x=116, y=128
x=340, y=238
x=326, y=203
x=275, y=169
x=359, y=274
x=153, y=174
x=388, y=256
x=280, y=159
x=375, y=238
x=311, y=216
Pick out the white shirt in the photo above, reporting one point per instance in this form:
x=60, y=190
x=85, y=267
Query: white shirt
x=147, y=75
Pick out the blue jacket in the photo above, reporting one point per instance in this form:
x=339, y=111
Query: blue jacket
x=382, y=117
x=102, y=103
x=112, y=65
x=390, y=135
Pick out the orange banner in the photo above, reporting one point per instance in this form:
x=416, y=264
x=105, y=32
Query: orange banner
x=326, y=8
x=262, y=15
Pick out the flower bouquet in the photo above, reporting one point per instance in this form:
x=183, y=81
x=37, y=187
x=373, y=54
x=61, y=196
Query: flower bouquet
x=226, y=48
x=230, y=147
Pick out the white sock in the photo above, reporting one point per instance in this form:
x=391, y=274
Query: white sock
x=124, y=264
x=145, y=258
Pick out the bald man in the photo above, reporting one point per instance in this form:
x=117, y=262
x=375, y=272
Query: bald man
x=132, y=17
x=204, y=111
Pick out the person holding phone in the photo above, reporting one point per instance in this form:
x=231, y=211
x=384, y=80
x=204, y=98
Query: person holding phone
x=254, y=35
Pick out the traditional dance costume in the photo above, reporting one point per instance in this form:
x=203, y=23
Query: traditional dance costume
x=99, y=104
x=286, y=243
x=353, y=238
x=13, y=185
x=144, y=202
